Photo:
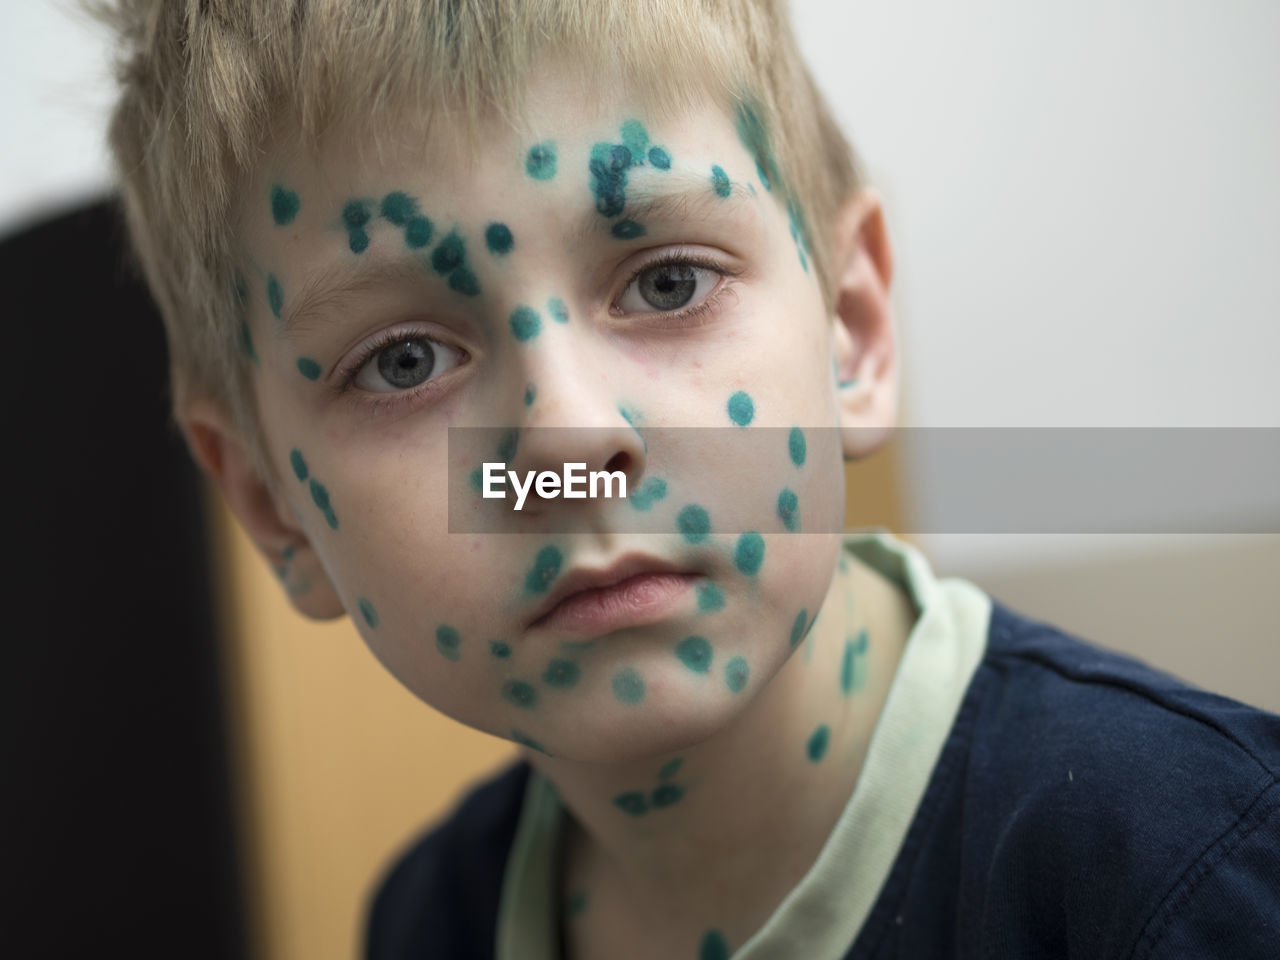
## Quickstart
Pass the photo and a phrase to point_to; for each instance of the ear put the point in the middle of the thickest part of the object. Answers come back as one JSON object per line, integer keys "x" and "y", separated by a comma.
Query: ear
{"x": 864, "y": 340}
{"x": 266, "y": 517}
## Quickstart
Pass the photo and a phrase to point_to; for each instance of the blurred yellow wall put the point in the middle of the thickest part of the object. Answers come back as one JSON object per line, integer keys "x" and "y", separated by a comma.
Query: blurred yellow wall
{"x": 337, "y": 765}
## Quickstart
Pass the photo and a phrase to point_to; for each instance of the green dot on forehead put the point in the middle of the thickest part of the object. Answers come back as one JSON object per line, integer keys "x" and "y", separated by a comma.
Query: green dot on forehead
{"x": 284, "y": 205}
{"x": 561, "y": 673}
{"x": 498, "y": 238}
{"x": 736, "y": 674}
{"x": 540, "y": 162}
{"x": 355, "y": 214}
{"x": 525, "y": 323}
{"x": 448, "y": 642}
{"x": 796, "y": 446}
{"x": 695, "y": 653}
{"x": 741, "y": 409}
{"x": 520, "y": 694}
{"x": 449, "y": 254}
{"x": 368, "y": 612}
{"x": 636, "y": 137}
{"x": 748, "y": 555}
{"x": 417, "y": 232}
{"x": 660, "y": 158}
{"x": 694, "y": 523}
{"x": 399, "y": 208}
{"x": 546, "y": 567}
{"x": 628, "y": 686}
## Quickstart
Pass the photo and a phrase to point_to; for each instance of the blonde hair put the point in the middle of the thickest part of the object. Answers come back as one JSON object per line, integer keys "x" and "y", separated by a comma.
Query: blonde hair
{"x": 206, "y": 83}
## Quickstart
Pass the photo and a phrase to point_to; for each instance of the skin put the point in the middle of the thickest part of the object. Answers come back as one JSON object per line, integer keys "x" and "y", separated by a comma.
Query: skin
{"x": 752, "y": 809}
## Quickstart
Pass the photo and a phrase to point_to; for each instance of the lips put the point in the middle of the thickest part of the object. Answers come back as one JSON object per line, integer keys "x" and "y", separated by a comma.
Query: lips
{"x": 633, "y": 588}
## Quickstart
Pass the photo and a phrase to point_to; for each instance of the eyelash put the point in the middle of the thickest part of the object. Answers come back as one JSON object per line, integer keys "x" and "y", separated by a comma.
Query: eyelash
{"x": 388, "y": 338}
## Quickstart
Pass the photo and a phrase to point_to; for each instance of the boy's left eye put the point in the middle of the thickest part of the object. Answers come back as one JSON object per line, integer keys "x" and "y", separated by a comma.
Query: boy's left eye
{"x": 404, "y": 362}
{"x": 667, "y": 286}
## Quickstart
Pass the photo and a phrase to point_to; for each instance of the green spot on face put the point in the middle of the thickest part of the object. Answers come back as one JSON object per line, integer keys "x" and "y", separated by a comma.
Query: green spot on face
{"x": 520, "y": 694}
{"x": 720, "y": 181}
{"x": 797, "y": 627}
{"x": 741, "y": 410}
{"x": 530, "y": 392}
{"x": 749, "y": 553}
{"x": 627, "y": 230}
{"x": 695, "y": 653}
{"x": 284, "y": 205}
{"x": 816, "y": 748}
{"x": 636, "y": 137}
{"x": 448, "y": 642}
{"x": 358, "y": 240}
{"x": 477, "y": 480}
{"x": 527, "y": 741}
{"x": 650, "y": 492}
{"x": 417, "y": 232}
{"x": 666, "y": 795}
{"x": 275, "y": 296}
{"x": 754, "y": 136}
{"x": 846, "y": 669}
{"x": 540, "y": 163}
{"x": 714, "y": 946}
{"x": 561, "y": 673}
{"x": 309, "y": 368}
{"x": 693, "y": 523}
{"x": 500, "y": 649}
{"x": 525, "y": 323}
{"x": 366, "y": 610}
{"x": 796, "y": 446}
{"x": 670, "y": 768}
{"x": 507, "y": 445}
{"x": 559, "y": 312}
{"x": 660, "y": 158}
{"x": 789, "y": 509}
{"x": 246, "y": 342}
{"x": 628, "y": 686}
{"x": 464, "y": 282}
{"x": 449, "y": 254}
{"x": 736, "y": 674}
{"x": 320, "y": 496}
{"x": 710, "y": 597}
{"x": 399, "y": 208}
{"x": 632, "y": 802}
{"x": 299, "y": 465}
{"x": 498, "y": 238}
{"x": 546, "y": 567}
{"x": 608, "y": 166}
{"x": 355, "y": 214}
{"x": 331, "y": 518}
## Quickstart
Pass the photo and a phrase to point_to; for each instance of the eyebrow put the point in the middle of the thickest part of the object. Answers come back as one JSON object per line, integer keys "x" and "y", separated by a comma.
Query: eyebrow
{"x": 331, "y": 289}
{"x": 681, "y": 196}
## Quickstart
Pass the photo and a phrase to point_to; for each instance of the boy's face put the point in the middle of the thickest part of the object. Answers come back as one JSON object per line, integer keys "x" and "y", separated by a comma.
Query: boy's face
{"x": 612, "y": 272}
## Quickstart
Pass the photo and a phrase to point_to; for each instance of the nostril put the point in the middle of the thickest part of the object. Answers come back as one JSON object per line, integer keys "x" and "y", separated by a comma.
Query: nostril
{"x": 620, "y": 461}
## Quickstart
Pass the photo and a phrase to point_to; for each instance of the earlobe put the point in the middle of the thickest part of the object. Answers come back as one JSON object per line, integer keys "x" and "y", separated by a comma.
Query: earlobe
{"x": 864, "y": 341}
{"x": 221, "y": 452}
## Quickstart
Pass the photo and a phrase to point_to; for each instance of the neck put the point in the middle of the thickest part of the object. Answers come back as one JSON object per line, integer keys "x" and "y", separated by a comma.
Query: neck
{"x": 757, "y": 801}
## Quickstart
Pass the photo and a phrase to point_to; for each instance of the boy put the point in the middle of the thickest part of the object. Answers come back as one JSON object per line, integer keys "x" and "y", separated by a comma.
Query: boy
{"x": 377, "y": 231}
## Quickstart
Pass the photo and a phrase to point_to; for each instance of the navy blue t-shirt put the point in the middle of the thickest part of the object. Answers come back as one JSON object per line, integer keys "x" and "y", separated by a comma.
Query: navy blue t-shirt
{"x": 1084, "y": 805}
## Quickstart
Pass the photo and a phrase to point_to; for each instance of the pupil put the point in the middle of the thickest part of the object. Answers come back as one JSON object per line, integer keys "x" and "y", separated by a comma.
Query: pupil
{"x": 669, "y": 286}
{"x": 406, "y": 364}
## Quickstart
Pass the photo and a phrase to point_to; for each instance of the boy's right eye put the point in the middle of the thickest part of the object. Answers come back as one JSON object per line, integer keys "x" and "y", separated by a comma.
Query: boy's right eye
{"x": 403, "y": 361}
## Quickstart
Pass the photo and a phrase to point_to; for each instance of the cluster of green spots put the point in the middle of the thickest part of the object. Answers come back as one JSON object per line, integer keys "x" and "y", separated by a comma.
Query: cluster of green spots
{"x": 741, "y": 408}
{"x": 577, "y": 904}
{"x": 695, "y": 653}
{"x": 401, "y": 210}
{"x": 530, "y": 392}
{"x": 609, "y": 164}
{"x": 720, "y": 181}
{"x": 853, "y": 667}
{"x": 797, "y": 627}
{"x": 309, "y": 368}
{"x": 694, "y": 523}
{"x": 736, "y": 674}
{"x": 525, "y": 323}
{"x": 275, "y": 296}
{"x": 796, "y": 446}
{"x": 500, "y": 649}
{"x": 648, "y": 493}
{"x": 319, "y": 495}
{"x": 636, "y": 803}
{"x": 558, "y": 309}
{"x": 561, "y": 673}
{"x": 367, "y": 611}
{"x": 520, "y": 694}
{"x": 522, "y": 738}
{"x": 540, "y": 162}
{"x": 284, "y": 205}
{"x": 748, "y": 553}
{"x": 816, "y": 747}
{"x": 628, "y": 686}
{"x": 498, "y": 238}
{"x": 355, "y": 217}
{"x": 714, "y": 946}
{"x": 449, "y": 642}
{"x": 789, "y": 509}
{"x": 710, "y": 597}
{"x": 449, "y": 259}
{"x": 546, "y": 567}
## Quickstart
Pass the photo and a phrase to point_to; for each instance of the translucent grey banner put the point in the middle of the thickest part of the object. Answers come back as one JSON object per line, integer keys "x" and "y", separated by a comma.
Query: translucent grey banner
{"x": 697, "y": 481}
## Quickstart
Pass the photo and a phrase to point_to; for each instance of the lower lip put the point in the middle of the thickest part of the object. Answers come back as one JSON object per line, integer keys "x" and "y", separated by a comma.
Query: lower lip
{"x": 644, "y": 598}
